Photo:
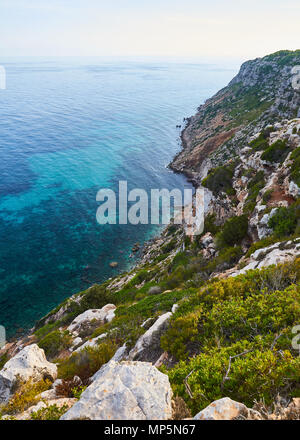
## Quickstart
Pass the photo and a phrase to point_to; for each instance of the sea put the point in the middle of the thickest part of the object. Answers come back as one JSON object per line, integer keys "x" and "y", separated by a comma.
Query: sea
{"x": 72, "y": 126}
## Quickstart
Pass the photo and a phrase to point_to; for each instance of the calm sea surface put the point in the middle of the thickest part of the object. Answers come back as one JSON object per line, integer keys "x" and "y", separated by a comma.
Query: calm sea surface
{"x": 69, "y": 127}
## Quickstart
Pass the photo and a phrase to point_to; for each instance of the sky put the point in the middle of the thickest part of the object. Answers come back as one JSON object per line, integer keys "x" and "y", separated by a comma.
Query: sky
{"x": 169, "y": 28}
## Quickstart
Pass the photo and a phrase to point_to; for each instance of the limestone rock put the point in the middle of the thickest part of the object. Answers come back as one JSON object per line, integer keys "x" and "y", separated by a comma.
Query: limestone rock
{"x": 147, "y": 347}
{"x": 91, "y": 343}
{"x": 223, "y": 409}
{"x": 154, "y": 290}
{"x": 294, "y": 189}
{"x": 275, "y": 254}
{"x": 125, "y": 391}
{"x": 100, "y": 315}
{"x": 29, "y": 363}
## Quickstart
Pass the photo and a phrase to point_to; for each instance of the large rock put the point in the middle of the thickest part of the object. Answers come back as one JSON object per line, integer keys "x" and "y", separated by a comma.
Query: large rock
{"x": 125, "y": 391}
{"x": 223, "y": 409}
{"x": 147, "y": 347}
{"x": 275, "y": 254}
{"x": 88, "y": 317}
{"x": 294, "y": 189}
{"x": 29, "y": 363}
{"x": 262, "y": 227}
{"x": 93, "y": 343}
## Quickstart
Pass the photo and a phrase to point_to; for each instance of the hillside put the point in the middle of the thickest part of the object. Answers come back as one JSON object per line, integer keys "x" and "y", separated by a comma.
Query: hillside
{"x": 260, "y": 94}
{"x": 198, "y": 320}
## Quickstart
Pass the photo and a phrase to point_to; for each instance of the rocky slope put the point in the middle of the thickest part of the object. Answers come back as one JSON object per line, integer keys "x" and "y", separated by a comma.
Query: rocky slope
{"x": 200, "y": 324}
{"x": 260, "y": 94}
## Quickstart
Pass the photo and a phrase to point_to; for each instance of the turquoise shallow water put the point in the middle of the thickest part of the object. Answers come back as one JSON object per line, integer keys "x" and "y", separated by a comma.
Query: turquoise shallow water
{"x": 68, "y": 128}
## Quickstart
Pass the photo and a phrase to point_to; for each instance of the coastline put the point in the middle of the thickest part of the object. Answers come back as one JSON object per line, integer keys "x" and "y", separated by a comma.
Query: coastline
{"x": 185, "y": 293}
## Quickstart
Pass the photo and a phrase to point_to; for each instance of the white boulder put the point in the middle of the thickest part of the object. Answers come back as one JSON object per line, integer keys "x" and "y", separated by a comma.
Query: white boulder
{"x": 223, "y": 409}
{"x": 103, "y": 315}
{"x": 125, "y": 391}
{"x": 91, "y": 343}
{"x": 294, "y": 189}
{"x": 149, "y": 343}
{"x": 29, "y": 363}
{"x": 275, "y": 254}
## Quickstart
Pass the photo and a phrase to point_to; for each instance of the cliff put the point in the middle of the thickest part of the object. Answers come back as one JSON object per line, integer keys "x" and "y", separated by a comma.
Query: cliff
{"x": 260, "y": 94}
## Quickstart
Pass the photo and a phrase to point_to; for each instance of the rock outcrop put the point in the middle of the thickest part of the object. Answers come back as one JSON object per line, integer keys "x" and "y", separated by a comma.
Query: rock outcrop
{"x": 224, "y": 122}
{"x": 275, "y": 254}
{"x": 29, "y": 363}
{"x": 147, "y": 347}
{"x": 225, "y": 409}
{"x": 106, "y": 314}
{"x": 125, "y": 391}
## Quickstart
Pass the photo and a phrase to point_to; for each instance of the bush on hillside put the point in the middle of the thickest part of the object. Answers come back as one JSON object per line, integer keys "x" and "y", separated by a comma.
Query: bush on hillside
{"x": 234, "y": 230}
{"x": 87, "y": 362}
{"x": 276, "y": 152}
{"x": 55, "y": 342}
{"x": 295, "y": 168}
{"x": 283, "y": 222}
{"x": 220, "y": 179}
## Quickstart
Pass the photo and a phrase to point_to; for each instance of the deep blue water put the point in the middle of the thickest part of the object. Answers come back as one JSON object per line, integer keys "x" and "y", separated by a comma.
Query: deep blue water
{"x": 69, "y": 127}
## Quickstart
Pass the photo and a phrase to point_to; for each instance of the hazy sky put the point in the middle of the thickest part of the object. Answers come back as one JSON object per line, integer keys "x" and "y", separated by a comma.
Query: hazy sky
{"x": 237, "y": 28}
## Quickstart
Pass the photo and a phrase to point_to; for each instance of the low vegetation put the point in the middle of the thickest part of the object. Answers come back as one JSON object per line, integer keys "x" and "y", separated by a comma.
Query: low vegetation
{"x": 25, "y": 396}
{"x": 233, "y": 338}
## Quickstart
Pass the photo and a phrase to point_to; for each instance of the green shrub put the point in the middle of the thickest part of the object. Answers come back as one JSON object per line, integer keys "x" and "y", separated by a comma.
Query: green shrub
{"x": 253, "y": 299}
{"x": 250, "y": 316}
{"x": 55, "y": 342}
{"x": 295, "y": 168}
{"x": 142, "y": 275}
{"x": 169, "y": 246}
{"x": 180, "y": 259}
{"x": 276, "y": 152}
{"x": 3, "y": 359}
{"x": 260, "y": 374}
{"x": 220, "y": 179}
{"x": 254, "y": 186}
{"x": 283, "y": 222}
{"x": 150, "y": 305}
{"x": 26, "y": 395}
{"x": 267, "y": 195}
{"x": 86, "y": 362}
{"x": 95, "y": 297}
{"x": 260, "y": 143}
{"x": 51, "y": 412}
{"x": 47, "y": 328}
{"x": 234, "y": 230}
{"x": 210, "y": 225}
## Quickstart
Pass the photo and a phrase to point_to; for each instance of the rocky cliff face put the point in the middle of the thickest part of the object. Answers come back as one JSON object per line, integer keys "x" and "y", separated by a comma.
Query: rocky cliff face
{"x": 260, "y": 94}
